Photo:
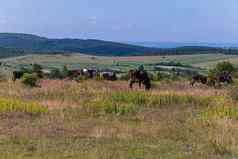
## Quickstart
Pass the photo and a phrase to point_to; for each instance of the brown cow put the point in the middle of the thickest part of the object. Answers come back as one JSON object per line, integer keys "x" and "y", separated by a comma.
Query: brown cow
{"x": 199, "y": 79}
{"x": 211, "y": 80}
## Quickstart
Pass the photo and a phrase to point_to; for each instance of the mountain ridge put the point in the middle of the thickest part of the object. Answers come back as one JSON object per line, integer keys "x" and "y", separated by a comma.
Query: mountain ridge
{"x": 20, "y": 44}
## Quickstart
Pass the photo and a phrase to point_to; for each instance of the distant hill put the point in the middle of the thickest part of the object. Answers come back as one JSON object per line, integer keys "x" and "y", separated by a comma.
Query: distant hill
{"x": 8, "y": 52}
{"x": 15, "y": 44}
{"x": 33, "y": 43}
{"x": 181, "y": 44}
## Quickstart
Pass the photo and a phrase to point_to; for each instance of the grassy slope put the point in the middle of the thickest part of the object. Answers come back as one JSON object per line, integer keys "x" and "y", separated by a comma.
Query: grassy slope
{"x": 71, "y": 130}
{"x": 124, "y": 63}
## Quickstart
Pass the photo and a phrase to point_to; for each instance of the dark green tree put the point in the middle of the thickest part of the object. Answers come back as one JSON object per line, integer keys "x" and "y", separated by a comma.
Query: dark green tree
{"x": 65, "y": 72}
{"x": 223, "y": 68}
{"x": 36, "y": 68}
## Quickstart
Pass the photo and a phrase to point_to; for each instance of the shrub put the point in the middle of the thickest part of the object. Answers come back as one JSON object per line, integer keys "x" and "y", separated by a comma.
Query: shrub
{"x": 55, "y": 74}
{"x": 223, "y": 68}
{"x": 36, "y": 68}
{"x": 29, "y": 79}
{"x": 65, "y": 72}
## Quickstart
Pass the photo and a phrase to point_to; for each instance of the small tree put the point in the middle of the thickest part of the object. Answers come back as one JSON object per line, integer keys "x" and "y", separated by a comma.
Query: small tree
{"x": 65, "y": 72}
{"x": 223, "y": 68}
{"x": 29, "y": 79}
{"x": 36, "y": 68}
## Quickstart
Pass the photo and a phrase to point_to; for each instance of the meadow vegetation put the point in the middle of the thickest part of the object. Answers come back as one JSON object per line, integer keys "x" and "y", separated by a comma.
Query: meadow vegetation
{"x": 99, "y": 119}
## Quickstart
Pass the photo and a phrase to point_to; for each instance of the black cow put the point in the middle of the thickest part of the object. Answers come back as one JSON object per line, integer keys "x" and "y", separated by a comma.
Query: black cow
{"x": 17, "y": 75}
{"x": 110, "y": 76}
{"x": 141, "y": 77}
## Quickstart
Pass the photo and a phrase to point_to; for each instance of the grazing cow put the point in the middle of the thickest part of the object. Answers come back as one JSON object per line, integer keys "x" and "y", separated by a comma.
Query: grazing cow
{"x": 199, "y": 79}
{"x": 211, "y": 80}
{"x": 141, "y": 77}
{"x": 89, "y": 73}
{"x": 17, "y": 75}
{"x": 224, "y": 78}
{"x": 110, "y": 76}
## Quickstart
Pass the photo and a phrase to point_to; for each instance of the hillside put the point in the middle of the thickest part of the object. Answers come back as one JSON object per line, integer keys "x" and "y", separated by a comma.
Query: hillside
{"x": 33, "y": 43}
{"x": 11, "y": 52}
{"x": 15, "y": 44}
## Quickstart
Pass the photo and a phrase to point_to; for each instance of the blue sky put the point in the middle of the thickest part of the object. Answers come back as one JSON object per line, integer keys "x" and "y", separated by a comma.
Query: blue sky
{"x": 124, "y": 20}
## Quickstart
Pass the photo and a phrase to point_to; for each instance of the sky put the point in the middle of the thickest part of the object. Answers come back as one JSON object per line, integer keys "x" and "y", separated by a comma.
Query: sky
{"x": 124, "y": 20}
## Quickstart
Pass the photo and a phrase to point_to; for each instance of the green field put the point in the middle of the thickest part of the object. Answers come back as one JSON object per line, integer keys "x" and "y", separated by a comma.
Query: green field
{"x": 76, "y": 61}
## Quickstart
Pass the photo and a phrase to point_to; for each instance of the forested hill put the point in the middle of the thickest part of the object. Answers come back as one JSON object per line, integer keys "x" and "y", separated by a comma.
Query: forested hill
{"x": 15, "y": 44}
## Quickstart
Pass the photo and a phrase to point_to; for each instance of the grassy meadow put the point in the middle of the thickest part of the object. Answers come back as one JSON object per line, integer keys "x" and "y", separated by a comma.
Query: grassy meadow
{"x": 106, "y": 120}
{"x": 96, "y": 119}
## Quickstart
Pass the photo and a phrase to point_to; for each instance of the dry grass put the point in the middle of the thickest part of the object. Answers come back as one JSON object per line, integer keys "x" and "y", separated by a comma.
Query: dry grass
{"x": 174, "y": 120}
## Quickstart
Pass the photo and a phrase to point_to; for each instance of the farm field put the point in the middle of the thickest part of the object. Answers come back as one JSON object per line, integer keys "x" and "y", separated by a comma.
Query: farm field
{"x": 100, "y": 119}
{"x": 121, "y": 63}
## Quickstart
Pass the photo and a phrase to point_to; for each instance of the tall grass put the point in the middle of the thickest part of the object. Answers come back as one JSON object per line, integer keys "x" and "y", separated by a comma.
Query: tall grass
{"x": 132, "y": 102}
{"x": 221, "y": 111}
{"x": 13, "y": 105}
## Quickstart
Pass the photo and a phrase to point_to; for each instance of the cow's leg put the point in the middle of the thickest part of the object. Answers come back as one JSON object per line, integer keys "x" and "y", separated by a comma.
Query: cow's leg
{"x": 192, "y": 82}
{"x": 147, "y": 85}
{"x": 131, "y": 84}
{"x": 140, "y": 82}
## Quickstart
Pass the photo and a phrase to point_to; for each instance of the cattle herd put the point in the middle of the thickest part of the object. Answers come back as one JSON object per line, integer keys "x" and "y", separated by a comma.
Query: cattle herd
{"x": 212, "y": 80}
{"x": 134, "y": 76}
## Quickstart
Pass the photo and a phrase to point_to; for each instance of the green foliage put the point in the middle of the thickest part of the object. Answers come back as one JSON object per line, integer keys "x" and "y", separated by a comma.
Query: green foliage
{"x": 223, "y": 68}
{"x": 30, "y": 79}
{"x": 174, "y": 63}
{"x": 55, "y": 74}
{"x": 65, "y": 72}
{"x": 36, "y": 68}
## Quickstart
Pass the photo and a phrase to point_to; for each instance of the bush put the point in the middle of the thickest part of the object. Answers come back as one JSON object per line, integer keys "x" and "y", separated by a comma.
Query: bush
{"x": 29, "y": 79}
{"x": 37, "y": 69}
{"x": 55, "y": 74}
{"x": 223, "y": 68}
{"x": 65, "y": 72}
